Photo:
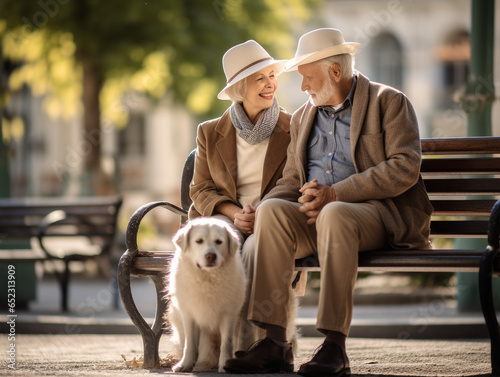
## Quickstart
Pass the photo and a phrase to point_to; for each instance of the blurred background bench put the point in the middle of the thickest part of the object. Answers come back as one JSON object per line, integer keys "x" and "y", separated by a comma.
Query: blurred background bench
{"x": 58, "y": 229}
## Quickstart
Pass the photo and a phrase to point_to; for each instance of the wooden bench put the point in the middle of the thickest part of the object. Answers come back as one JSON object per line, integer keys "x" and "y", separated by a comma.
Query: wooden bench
{"x": 462, "y": 176}
{"x": 28, "y": 225}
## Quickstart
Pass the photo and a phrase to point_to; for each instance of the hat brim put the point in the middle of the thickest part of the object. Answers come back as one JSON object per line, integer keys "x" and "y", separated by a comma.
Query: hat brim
{"x": 280, "y": 68}
{"x": 346, "y": 48}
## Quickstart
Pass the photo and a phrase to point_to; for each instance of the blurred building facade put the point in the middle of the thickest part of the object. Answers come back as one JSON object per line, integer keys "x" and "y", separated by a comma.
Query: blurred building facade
{"x": 420, "y": 47}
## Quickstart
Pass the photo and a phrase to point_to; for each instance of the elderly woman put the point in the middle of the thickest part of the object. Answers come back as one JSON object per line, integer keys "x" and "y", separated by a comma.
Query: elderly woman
{"x": 241, "y": 155}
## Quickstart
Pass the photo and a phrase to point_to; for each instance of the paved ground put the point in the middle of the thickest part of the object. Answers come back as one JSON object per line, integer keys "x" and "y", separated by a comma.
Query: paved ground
{"x": 428, "y": 339}
{"x": 100, "y": 355}
{"x": 92, "y": 312}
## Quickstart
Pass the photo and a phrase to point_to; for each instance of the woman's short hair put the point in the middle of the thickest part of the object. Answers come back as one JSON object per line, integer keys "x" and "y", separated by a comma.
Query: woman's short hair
{"x": 345, "y": 61}
{"x": 237, "y": 91}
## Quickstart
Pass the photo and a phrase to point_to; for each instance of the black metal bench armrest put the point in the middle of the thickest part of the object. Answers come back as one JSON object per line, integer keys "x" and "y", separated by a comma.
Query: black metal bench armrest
{"x": 50, "y": 219}
{"x": 136, "y": 218}
{"x": 150, "y": 335}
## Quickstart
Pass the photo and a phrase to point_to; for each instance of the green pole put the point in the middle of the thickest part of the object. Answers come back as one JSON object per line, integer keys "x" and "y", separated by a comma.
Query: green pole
{"x": 480, "y": 92}
{"x": 4, "y": 166}
{"x": 477, "y": 102}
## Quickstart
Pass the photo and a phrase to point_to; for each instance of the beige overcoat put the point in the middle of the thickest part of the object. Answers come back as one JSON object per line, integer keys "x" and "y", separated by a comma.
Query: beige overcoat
{"x": 385, "y": 145}
{"x": 215, "y": 172}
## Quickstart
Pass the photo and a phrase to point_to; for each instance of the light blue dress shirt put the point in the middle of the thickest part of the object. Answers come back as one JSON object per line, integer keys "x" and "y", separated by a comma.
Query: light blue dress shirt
{"x": 329, "y": 147}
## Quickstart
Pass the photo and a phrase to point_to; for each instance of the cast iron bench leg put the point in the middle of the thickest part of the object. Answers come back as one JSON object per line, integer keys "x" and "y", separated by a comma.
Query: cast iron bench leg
{"x": 486, "y": 290}
{"x": 150, "y": 335}
{"x": 488, "y": 307}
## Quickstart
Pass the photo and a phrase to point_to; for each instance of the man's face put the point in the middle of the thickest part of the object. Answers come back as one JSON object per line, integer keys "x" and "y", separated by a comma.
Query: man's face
{"x": 316, "y": 83}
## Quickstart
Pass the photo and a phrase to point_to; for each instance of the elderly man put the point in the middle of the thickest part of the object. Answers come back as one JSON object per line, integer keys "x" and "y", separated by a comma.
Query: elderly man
{"x": 351, "y": 183}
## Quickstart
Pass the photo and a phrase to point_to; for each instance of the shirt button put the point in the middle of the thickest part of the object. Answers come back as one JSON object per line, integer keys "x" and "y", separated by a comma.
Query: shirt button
{"x": 332, "y": 115}
{"x": 328, "y": 172}
{"x": 329, "y": 154}
{"x": 330, "y": 133}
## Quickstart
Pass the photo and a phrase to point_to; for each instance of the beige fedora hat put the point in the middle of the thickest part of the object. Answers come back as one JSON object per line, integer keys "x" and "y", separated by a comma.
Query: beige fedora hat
{"x": 244, "y": 60}
{"x": 319, "y": 44}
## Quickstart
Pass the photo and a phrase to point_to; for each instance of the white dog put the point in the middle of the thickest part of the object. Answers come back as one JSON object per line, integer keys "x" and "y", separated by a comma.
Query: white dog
{"x": 207, "y": 285}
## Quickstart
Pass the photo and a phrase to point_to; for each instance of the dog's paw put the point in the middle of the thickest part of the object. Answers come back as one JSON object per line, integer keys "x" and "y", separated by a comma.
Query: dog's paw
{"x": 181, "y": 368}
{"x": 205, "y": 365}
{"x": 221, "y": 369}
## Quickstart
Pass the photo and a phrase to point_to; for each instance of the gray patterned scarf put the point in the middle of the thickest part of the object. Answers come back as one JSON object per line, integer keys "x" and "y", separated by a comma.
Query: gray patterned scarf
{"x": 254, "y": 134}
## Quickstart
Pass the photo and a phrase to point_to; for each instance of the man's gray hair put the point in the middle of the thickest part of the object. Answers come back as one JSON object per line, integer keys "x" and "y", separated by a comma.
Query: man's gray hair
{"x": 345, "y": 61}
{"x": 237, "y": 91}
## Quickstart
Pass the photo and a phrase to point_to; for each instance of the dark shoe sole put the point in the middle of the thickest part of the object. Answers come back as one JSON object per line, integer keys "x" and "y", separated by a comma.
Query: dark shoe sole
{"x": 284, "y": 369}
{"x": 344, "y": 372}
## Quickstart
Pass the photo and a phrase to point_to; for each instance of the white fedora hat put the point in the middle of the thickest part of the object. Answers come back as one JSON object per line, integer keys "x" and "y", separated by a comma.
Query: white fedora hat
{"x": 244, "y": 60}
{"x": 319, "y": 44}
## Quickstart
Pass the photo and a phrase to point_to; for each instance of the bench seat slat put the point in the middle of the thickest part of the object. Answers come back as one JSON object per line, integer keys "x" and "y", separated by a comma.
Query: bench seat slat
{"x": 22, "y": 255}
{"x": 438, "y": 260}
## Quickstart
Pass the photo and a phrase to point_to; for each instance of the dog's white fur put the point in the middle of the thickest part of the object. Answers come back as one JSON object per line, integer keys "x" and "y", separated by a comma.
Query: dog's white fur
{"x": 207, "y": 284}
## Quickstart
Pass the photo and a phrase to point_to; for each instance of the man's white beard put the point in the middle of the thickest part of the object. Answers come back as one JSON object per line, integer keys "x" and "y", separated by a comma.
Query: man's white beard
{"x": 322, "y": 96}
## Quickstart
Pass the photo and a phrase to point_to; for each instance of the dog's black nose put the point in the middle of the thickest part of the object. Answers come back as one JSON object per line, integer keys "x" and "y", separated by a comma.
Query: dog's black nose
{"x": 210, "y": 258}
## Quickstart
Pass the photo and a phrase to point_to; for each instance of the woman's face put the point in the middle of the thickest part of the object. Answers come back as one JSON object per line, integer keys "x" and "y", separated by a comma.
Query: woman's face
{"x": 259, "y": 95}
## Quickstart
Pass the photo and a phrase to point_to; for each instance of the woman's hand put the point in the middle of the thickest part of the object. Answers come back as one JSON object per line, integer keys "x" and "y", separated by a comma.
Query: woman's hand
{"x": 245, "y": 219}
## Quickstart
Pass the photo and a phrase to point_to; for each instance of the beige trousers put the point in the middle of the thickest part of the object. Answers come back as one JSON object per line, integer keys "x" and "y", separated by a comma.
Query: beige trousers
{"x": 283, "y": 235}
{"x": 246, "y": 331}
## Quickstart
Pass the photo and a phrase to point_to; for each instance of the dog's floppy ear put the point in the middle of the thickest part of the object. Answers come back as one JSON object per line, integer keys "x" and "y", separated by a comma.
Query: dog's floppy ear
{"x": 181, "y": 238}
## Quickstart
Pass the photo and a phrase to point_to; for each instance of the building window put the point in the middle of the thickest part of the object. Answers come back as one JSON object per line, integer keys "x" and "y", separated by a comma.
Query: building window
{"x": 131, "y": 139}
{"x": 387, "y": 60}
{"x": 453, "y": 56}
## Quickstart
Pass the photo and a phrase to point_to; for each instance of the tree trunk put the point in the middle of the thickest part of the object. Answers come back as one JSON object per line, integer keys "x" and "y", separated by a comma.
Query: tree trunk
{"x": 91, "y": 114}
{"x": 93, "y": 181}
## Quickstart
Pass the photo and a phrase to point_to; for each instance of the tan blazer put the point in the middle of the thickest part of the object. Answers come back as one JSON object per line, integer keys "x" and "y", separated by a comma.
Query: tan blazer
{"x": 215, "y": 172}
{"x": 385, "y": 145}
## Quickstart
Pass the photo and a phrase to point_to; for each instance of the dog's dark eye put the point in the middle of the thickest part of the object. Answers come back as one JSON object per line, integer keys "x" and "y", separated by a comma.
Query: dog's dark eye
{"x": 218, "y": 242}
{"x": 199, "y": 241}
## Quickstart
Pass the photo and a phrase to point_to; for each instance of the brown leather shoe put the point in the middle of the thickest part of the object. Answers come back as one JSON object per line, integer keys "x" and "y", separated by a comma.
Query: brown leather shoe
{"x": 264, "y": 357}
{"x": 327, "y": 361}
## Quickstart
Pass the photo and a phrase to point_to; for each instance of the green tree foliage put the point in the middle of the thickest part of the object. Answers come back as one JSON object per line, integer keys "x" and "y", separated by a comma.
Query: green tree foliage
{"x": 84, "y": 55}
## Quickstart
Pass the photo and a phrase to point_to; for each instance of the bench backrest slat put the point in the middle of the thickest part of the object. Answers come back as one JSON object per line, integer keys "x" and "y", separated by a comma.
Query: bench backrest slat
{"x": 457, "y": 229}
{"x": 463, "y": 186}
{"x": 11, "y": 233}
{"x": 460, "y": 207}
{"x": 460, "y": 166}
{"x": 462, "y": 177}
{"x": 104, "y": 210}
{"x": 461, "y": 145}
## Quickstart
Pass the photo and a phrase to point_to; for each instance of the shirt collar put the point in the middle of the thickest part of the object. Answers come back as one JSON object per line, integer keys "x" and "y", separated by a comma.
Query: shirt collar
{"x": 347, "y": 102}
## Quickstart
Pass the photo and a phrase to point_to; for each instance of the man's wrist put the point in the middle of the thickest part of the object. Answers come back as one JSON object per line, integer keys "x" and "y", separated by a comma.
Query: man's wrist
{"x": 333, "y": 194}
